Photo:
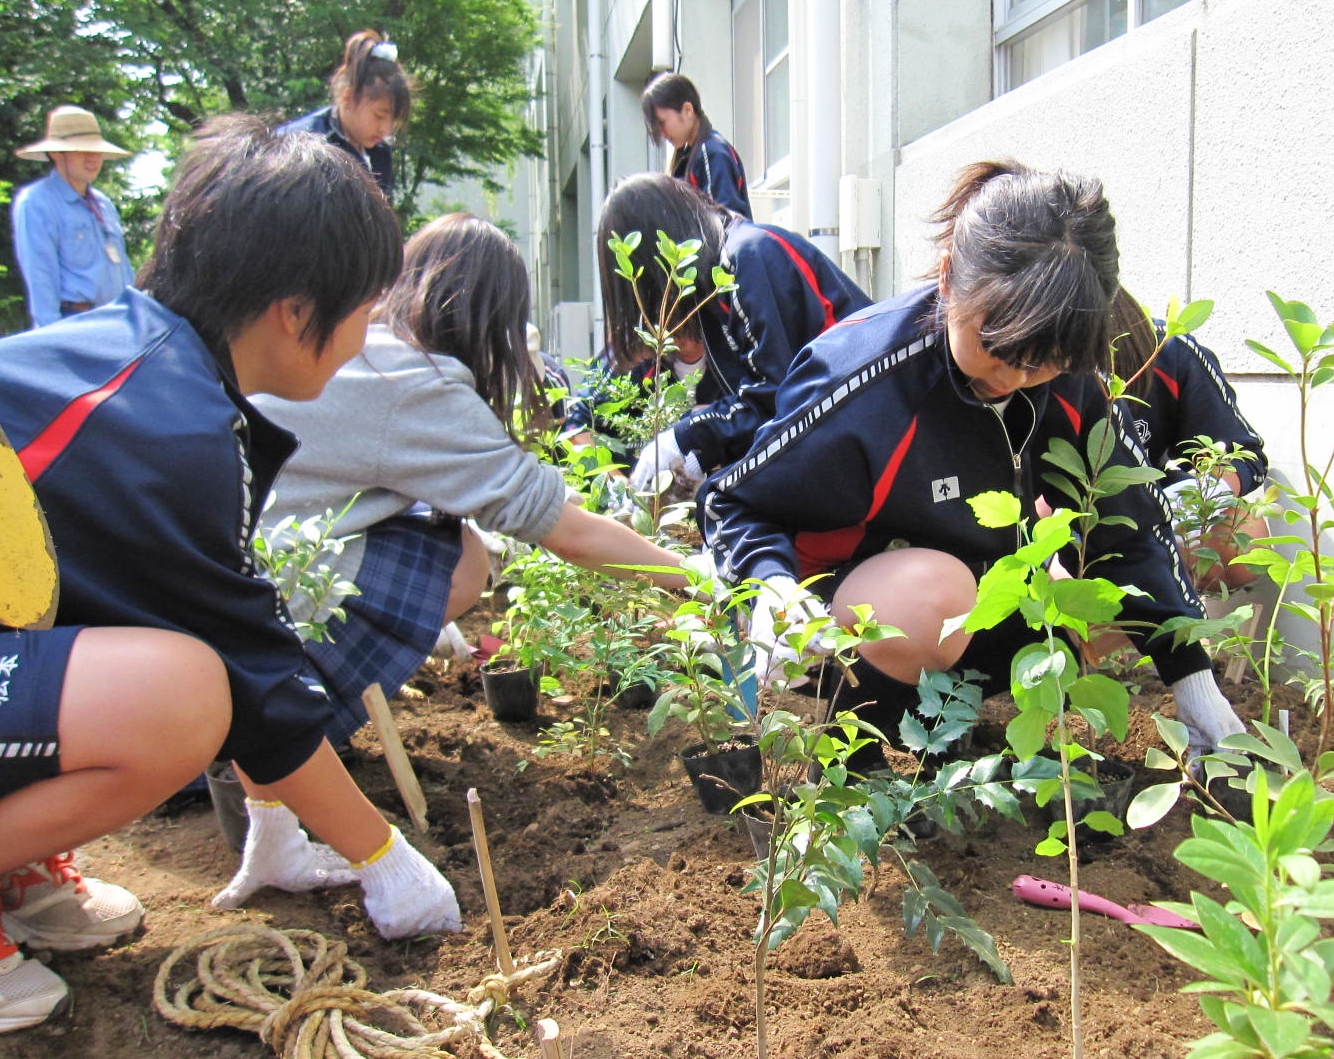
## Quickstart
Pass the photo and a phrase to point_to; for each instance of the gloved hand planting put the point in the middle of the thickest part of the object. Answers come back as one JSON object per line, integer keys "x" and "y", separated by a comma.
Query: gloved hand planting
{"x": 1205, "y": 712}
{"x": 664, "y": 454}
{"x": 278, "y": 853}
{"x": 782, "y": 602}
{"x": 405, "y": 894}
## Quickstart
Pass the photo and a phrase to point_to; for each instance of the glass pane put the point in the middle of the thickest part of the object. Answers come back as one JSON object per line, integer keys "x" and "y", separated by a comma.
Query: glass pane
{"x": 775, "y": 29}
{"x": 777, "y": 131}
{"x": 1154, "y": 8}
{"x": 747, "y": 87}
{"x": 1062, "y": 38}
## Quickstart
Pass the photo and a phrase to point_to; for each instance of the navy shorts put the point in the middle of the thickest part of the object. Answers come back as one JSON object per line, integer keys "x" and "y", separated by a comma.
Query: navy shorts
{"x": 32, "y": 676}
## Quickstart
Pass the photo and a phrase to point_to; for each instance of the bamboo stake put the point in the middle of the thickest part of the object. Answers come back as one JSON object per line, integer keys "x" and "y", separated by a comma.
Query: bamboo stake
{"x": 553, "y": 1045}
{"x": 405, "y": 779}
{"x": 489, "y": 882}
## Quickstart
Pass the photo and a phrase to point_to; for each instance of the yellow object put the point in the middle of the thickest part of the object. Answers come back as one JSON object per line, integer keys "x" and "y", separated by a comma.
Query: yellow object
{"x": 29, "y": 587}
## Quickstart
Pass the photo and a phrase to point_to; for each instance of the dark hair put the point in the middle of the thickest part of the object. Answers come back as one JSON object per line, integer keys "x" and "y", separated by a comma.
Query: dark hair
{"x": 253, "y": 217}
{"x": 464, "y": 292}
{"x": 1034, "y": 255}
{"x": 1134, "y": 340}
{"x": 649, "y": 203}
{"x": 369, "y": 76}
{"x": 671, "y": 91}
{"x": 674, "y": 91}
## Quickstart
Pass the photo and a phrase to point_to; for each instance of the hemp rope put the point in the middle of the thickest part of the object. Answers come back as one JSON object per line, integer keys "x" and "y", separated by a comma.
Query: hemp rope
{"x": 307, "y": 1000}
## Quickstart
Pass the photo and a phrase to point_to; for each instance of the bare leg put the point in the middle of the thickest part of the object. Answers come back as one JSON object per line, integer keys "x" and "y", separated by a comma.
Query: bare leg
{"x": 329, "y": 803}
{"x": 470, "y": 576}
{"x": 915, "y": 590}
{"x": 142, "y": 712}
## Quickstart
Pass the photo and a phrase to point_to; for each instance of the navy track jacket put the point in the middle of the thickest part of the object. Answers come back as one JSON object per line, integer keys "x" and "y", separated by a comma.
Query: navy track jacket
{"x": 379, "y": 159}
{"x": 152, "y": 470}
{"x": 877, "y": 443}
{"x": 787, "y": 293}
{"x": 1190, "y": 396}
{"x": 713, "y": 167}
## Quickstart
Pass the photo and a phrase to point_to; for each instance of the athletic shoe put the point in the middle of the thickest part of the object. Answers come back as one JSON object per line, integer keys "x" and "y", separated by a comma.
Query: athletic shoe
{"x": 30, "y": 992}
{"x": 49, "y": 905}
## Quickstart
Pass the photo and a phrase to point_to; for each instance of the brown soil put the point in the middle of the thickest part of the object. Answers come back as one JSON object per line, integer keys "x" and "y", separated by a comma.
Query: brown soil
{"x": 622, "y": 871}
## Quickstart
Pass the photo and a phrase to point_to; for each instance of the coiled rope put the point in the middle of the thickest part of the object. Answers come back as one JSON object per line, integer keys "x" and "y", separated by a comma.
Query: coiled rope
{"x": 307, "y": 1000}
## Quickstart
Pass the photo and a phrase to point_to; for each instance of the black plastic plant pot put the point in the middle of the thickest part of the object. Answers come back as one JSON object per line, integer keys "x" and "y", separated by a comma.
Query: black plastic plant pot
{"x": 723, "y": 779}
{"x": 1116, "y": 778}
{"x": 228, "y": 797}
{"x": 510, "y": 692}
{"x": 637, "y": 696}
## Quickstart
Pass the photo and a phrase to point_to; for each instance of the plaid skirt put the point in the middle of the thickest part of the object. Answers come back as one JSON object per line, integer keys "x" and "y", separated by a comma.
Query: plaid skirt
{"x": 390, "y": 628}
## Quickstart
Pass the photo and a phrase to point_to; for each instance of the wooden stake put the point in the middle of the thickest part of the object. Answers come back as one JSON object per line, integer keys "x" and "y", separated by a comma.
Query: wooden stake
{"x": 553, "y": 1045}
{"x": 399, "y": 765}
{"x": 489, "y": 882}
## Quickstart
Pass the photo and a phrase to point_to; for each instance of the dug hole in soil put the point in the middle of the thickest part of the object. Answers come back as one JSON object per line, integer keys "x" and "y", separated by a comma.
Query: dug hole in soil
{"x": 624, "y": 872}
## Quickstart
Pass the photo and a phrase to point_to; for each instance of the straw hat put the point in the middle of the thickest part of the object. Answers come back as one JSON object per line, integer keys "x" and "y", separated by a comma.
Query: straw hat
{"x": 71, "y": 129}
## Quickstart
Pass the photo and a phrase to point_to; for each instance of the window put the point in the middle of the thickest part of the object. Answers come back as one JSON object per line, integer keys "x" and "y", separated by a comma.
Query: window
{"x": 760, "y": 89}
{"x": 1034, "y": 36}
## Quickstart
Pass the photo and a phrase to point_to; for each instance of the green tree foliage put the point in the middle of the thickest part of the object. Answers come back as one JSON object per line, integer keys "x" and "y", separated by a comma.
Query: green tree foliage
{"x": 153, "y": 69}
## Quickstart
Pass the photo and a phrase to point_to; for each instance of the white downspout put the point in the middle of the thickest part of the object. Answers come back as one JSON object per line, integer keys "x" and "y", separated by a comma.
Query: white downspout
{"x": 664, "y": 35}
{"x": 597, "y": 153}
{"x": 823, "y": 118}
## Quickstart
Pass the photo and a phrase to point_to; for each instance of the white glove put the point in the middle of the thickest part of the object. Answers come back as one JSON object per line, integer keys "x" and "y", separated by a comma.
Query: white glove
{"x": 405, "y": 894}
{"x": 278, "y": 853}
{"x": 1205, "y": 712}
{"x": 664, "y": 454}
{"x": 782, "y": 599}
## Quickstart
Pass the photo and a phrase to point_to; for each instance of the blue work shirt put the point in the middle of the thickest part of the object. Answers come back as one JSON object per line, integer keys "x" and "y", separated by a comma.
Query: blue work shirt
{"x": 66, "y": 251}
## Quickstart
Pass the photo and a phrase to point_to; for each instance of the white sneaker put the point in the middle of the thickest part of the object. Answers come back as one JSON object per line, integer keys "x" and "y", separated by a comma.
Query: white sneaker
{"x": 30, "y": 992}
{"x": 49, "y": 905}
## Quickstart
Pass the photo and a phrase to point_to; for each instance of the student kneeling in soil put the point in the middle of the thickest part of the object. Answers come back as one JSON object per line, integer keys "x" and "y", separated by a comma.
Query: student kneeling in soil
{"x": 152, "y": 466}
{"x": 896, "y": 418}
{"x": 421, "y": 425}
{"x": 69, "y": 697}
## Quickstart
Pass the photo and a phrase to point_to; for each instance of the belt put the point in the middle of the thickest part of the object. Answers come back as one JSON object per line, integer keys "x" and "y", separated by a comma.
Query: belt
{"x": 70, "y": 308}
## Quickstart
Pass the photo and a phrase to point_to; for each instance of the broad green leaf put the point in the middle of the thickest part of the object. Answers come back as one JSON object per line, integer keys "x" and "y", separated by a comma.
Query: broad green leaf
{"x": 995, "y": 509}
{"x": 1282, "y": 1032}
{"x": 1152, "y": 804}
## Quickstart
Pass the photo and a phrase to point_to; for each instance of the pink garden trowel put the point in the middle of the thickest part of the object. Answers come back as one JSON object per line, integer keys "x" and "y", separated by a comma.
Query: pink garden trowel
{"x": 1054, "y": 895}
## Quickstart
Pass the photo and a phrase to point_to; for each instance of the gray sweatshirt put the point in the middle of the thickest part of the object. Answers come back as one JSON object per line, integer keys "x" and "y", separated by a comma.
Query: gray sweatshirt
{"x": 400, "y": 427}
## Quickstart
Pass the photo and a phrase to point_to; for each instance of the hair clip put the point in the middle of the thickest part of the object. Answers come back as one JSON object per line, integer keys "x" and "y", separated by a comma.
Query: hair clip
{"x": 386, "y": 50}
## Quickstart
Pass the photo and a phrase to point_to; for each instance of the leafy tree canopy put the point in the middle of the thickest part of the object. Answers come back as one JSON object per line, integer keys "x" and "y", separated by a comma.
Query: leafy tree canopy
{"x": 153, "y": 69}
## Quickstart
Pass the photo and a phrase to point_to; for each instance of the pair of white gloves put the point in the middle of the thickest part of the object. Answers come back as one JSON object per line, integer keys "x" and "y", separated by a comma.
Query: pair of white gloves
{"x": 405, "y": 894}
{"x": 664, "y": 453}
{"x": 781, "y": 600}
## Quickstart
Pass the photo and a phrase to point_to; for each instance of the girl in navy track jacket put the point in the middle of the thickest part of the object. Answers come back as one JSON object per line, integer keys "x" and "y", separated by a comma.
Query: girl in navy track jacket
{"x": 887, "y": 423}
{"x": 787, "y": 293}
{"x": 1186, "y": 395}
{"x": 702, "y": 158}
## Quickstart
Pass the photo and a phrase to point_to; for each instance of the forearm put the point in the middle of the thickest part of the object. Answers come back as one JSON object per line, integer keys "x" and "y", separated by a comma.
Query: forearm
{"x": 603, "y": 544}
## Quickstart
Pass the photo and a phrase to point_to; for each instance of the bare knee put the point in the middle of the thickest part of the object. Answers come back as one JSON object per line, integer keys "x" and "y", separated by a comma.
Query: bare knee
{"x": 143, "y": 699}
{"x": 915, "y": 590}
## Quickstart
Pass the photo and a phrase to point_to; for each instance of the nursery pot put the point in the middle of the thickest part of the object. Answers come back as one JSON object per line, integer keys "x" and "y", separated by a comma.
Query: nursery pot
{"x": 1116, "y": 778}
{"x": 511, "y": 693}
{"x": 228, "y": 796}
{"x": 724, "y": 778}
{"x": 639, "y": 695}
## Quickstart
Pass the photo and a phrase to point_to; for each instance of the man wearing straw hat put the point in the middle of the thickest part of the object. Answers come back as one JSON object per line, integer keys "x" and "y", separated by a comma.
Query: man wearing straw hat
{"x": 67, "y": 234}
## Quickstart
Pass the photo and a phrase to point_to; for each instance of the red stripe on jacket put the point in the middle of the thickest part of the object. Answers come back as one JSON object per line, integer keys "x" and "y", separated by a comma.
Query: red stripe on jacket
{"x": 1173, "y": 387}
{"x": 821, "y": 551}
{"x": 808, "y": 274}
{"x": 41, "y": 451}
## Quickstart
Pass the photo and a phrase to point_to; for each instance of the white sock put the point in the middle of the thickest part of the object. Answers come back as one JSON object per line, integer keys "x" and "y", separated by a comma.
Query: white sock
{"x": 405, "y": 894}
{"x": 1205, "y": 711}
{"x": 279, "y": 854}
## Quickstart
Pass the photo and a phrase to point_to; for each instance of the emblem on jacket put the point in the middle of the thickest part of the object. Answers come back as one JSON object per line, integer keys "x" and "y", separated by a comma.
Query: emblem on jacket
{"x": 945, "y": 488}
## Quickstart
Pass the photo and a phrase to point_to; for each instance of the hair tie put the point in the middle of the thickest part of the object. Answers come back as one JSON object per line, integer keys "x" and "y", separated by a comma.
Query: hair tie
{"x": 386, "y": 50}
